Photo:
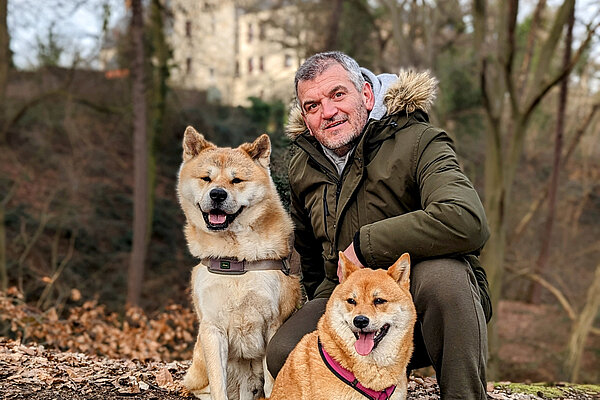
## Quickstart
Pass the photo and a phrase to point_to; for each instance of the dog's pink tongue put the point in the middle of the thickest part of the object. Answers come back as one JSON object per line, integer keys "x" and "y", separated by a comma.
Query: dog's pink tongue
{"x": 365, "y": 343}
{"x": 217, "y": 218}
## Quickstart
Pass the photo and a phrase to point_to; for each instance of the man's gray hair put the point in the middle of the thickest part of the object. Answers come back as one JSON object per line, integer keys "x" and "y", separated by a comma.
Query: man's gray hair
{"x": 318, "y": 63}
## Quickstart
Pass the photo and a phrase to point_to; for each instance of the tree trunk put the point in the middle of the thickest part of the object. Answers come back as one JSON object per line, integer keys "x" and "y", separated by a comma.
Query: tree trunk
{"x": 4, "y": 63}
{"x": 582, "y": 327}
{"x": 160, "y": 75}
{"x": 535, "y": 290}
{"x": 334, "y": 25}
{"x": 509, "y": 113}
{"x": 140, "y": 159}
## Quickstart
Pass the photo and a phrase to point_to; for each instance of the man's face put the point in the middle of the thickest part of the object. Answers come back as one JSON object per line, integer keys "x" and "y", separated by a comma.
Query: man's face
{"x": 334, "y": 111}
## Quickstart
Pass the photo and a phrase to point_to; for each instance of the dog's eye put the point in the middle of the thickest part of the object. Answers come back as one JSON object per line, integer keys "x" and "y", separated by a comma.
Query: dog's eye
{"x": 351, "y": 301}
{"x": 236, "y": 180}
{"x": 379, "y": 301}
{"x": 205, "y": 179}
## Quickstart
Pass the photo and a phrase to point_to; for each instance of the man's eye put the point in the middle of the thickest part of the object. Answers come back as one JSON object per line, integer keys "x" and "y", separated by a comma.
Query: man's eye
{"x": 311, "y": 107}
{"x": 338, "y": 94}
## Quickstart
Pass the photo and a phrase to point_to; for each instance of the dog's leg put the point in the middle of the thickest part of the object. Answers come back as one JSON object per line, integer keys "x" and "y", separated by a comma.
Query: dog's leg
{"x": 196, "y": 378}
{"x": 215, "y": 351}
{"x": 269, "y": 381}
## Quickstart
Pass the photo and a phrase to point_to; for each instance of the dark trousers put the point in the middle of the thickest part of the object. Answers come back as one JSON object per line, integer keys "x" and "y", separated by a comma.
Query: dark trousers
{"x": 450, "y": 332}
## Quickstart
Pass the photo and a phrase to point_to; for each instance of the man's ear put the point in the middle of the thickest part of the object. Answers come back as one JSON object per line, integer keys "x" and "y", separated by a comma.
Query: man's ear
{"x": 369, "y": 96}
{"x": 306, "y": 124}
{"x": 194, "y": 143}
{"x": 347, "y": 266}
{"x": 400, "y": 271}
{"x": 259, "y": 150}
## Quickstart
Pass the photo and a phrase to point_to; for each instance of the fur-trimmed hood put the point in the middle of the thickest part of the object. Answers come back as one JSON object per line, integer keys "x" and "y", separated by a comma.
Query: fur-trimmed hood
{"x": 408, "y": 92}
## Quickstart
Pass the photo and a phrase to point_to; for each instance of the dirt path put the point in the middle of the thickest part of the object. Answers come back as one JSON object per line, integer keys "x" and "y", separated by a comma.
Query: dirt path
{"x": 32, "y": 372}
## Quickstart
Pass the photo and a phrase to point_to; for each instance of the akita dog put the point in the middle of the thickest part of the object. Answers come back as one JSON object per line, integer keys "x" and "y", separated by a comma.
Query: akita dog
{"x": 362, "y": 344}
{"x": 242, "y": 289}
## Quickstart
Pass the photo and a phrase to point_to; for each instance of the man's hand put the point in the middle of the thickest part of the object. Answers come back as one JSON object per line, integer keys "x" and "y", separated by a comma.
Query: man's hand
{"x": 351, "y": 254}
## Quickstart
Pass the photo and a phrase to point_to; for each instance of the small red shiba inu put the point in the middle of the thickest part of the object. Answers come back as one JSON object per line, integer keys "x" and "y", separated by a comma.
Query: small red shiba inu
{"x": 362, "y": 344}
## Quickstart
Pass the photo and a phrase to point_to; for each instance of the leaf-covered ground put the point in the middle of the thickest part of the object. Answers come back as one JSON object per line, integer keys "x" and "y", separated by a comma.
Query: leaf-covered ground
{"x": 33, "y": 372}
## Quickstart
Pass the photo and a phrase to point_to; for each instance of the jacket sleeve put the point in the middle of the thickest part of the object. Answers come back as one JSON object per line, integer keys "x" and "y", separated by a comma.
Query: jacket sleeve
{"x": 451, "y": 220}
{"x": 309, "y": 248}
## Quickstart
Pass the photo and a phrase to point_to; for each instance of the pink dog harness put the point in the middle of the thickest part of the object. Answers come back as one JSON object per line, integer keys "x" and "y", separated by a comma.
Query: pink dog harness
{"x": 349, "y": 379}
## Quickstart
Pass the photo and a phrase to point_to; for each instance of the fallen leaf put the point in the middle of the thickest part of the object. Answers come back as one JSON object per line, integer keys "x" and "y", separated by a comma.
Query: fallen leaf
{"x": 163, "y": 378}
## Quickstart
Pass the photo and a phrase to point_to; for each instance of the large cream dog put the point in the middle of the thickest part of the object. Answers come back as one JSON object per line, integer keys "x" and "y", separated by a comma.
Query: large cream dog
{"x": 362, "y": 344}
{"x": 242, "y": 289}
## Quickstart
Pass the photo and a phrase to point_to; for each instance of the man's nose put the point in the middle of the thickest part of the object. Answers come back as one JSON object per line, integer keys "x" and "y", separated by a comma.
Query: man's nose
{"x": 328, "y": 108}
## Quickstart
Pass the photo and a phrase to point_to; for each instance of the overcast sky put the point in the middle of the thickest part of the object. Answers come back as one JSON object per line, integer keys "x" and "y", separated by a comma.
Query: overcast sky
{"x": 78, "y": 25}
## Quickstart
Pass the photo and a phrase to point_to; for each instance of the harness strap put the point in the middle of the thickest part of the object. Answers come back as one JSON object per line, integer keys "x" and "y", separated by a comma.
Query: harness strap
{"x": 349, "y": 379}
{"x": 228, "y": 266}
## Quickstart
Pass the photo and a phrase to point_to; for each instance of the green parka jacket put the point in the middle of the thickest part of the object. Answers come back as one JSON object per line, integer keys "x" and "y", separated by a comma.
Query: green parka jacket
{"x": 402, "y": 190}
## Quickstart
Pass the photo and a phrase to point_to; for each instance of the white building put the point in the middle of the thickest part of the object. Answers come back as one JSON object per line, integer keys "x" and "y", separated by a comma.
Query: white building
{"x": 232, "y": 51}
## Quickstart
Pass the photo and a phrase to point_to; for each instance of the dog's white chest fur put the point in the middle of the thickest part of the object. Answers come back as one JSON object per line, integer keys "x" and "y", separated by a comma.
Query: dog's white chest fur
{"x": 241, "y": 305}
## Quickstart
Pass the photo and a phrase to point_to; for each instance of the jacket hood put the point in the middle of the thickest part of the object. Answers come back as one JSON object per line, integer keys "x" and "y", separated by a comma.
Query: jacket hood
{"x": 410, "y": 92}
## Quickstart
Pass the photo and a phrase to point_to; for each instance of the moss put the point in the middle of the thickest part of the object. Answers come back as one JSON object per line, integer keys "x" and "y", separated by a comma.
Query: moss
{"x": 546, "y": 390}
{"x": 591, "y": 389}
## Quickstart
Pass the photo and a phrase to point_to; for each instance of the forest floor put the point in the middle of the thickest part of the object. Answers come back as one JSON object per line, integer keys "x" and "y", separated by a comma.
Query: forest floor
{"x": 33, "y": 372}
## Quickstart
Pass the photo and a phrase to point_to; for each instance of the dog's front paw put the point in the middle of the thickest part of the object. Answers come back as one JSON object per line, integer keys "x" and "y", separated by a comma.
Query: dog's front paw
{"x": 203, "y": 393}
{"x": 197, "y": 384}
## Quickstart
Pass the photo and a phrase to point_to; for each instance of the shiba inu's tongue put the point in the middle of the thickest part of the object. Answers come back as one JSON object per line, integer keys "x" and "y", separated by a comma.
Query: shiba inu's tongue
{"x": 217, "y": 218}
{"x": 365, "y": 343}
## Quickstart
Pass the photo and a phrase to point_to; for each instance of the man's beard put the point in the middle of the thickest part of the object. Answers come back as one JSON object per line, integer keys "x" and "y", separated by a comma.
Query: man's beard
{"x": 342, "y": 145}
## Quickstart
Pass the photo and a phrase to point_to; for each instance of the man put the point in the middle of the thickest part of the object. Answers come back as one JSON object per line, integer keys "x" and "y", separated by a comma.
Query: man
{"x": 371, "y": 177}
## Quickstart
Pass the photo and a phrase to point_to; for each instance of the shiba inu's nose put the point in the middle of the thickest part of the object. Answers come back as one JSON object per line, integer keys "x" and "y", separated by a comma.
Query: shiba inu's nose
{"x": 360, "y": 321}
{"x": 218, "y": 194}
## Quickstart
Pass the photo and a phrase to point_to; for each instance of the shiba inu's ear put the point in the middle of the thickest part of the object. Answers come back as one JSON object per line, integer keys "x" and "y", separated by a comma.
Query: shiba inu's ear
{"x": 193, "y": 143}
{"x": 259, "y": 150}
{"x": 400, "y": 271}
{"x": 347, "y": 267}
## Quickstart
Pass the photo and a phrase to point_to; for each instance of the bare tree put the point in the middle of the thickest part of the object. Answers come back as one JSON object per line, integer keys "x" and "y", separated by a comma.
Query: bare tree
{"x": 331, "y": 43}
{"x": 140, "y": 158}
{"x": 4, "y": 60}
{"x": 535, "y": 290}
{"x": 3, "y": 268}
{"x": 582, "y": 327}
{"x": 509, "y": 111}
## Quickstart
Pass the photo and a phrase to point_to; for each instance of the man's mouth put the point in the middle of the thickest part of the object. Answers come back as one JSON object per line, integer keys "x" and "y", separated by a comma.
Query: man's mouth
{"x": 366, "y": 342}
{"x": 335, "y": 124}
{"x": 217, "y": 220}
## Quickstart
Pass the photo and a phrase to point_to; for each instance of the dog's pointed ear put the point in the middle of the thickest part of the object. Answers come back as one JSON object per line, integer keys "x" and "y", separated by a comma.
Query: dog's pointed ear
{"x": 259, "y": 150}
{"x": 400, "y": 271}
{"x": 347, "y": 267}
{"x": 193, "y": 143}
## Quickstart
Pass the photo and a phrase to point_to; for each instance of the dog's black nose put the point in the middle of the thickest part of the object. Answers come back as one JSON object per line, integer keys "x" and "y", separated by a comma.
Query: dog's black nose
{"x": 218, "y": 194}
{"x": 360, "y": 321}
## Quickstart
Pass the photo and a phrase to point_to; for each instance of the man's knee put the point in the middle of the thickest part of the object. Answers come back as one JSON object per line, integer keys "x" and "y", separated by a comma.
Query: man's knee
{"x": 289, "y": 334}
{"x": 276, "y": 356}
{"x": 441, "y": 283}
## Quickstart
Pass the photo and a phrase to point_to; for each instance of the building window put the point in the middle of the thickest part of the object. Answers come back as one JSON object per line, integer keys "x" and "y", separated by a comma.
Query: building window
{"x": 188, "y": 29}
{"x": 213, "y": 24}
{"x": 188, "y": 65}
{"x": 261, "y": 64}
{"x": 250, "y": 32}
{"x": 237, "y": 68}
{"x": 211, "y": 72}
{"x": 250, "y": 65}
{"x": 287, "y": 62}
{"x": 261, "y": 31}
